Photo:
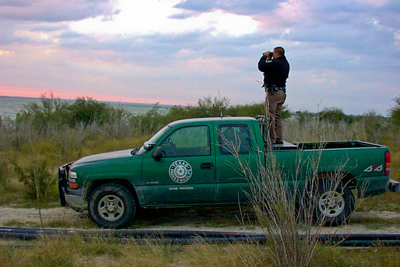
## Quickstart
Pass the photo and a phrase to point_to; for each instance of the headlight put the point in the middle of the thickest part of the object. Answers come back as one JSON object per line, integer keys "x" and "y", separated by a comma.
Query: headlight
{"x": 72, "y": 176}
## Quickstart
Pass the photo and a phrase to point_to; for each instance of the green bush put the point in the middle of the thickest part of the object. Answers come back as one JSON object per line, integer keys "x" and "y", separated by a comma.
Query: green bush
{"x": 50, "y": 110}
{"x": 395, "y": 111}
{"x": 37, "y": 179}
{"x": 254, "y": 109}
{"x": 333, "y": 114}
{"x": 87, "y": 110}
{"x": 153, "y": 120}
{"x": 53, "y": 111}
{"x": 375, "y": 126}
{"x": 304, "y": 116}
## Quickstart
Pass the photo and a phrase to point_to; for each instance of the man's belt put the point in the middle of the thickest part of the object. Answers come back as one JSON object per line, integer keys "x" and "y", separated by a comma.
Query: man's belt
{"x": 274, "y": 89}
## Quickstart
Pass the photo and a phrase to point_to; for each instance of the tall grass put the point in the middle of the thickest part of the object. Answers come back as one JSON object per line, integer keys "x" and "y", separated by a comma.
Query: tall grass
{"x": 64, "y": 252}
{"x": 287, "y": 205}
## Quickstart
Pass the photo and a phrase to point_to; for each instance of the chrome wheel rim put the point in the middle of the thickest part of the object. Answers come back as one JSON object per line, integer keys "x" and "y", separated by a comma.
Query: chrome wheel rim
{"x": 111, "y": 208}
{"x": 331, "y": 204}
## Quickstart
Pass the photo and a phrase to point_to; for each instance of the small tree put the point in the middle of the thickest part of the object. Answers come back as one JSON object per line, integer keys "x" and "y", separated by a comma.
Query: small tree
{"x": 304, "y": 116}
{"x": 87, "y": 110}
{"x": 395, "y": 112}
{"x": 36, "y": 178}
{"x": 334, "y": 114}
{"x": 50, "y": 110}
{"x": 213, "y": 107}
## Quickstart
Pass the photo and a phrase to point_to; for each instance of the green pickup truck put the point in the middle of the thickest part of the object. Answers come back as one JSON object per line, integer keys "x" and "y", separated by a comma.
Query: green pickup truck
{"x": 190, "y": 162}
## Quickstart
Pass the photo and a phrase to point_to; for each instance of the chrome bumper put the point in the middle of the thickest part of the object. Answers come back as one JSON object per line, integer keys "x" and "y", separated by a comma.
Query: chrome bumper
{"x": 73, "y": 198}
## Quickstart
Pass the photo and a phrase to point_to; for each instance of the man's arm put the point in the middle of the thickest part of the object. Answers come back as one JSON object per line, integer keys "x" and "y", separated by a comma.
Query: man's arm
{"x": 265, "y": 63}
{"x": 262, "y": 63}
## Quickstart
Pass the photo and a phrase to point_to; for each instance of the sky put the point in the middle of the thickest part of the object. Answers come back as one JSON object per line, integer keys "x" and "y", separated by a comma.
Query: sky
{"x": 342, "y": 53}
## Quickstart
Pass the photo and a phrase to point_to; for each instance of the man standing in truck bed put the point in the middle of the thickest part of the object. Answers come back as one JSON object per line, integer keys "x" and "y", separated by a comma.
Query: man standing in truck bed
{"x": 276, "y": 71}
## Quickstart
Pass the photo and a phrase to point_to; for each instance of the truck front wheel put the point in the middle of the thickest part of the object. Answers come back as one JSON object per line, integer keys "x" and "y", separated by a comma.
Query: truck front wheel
{"x": 111, "y": 206}
{"x": 334, "y": 203}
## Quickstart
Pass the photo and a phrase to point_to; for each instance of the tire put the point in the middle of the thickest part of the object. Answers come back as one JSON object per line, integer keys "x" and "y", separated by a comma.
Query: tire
{"x": 111, "y": 206}
{"x": 333, "y": 204}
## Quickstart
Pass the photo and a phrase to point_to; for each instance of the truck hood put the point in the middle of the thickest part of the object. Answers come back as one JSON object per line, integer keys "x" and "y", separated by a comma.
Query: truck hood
{"x": 109, "y": 157}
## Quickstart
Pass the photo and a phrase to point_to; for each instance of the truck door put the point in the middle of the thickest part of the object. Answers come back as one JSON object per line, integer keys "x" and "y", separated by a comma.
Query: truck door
{"x": 186, "y": 172}
{"x": 236, "y": 149}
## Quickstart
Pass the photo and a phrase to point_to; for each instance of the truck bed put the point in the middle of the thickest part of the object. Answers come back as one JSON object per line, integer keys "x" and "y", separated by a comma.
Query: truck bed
{"x": 335, "y": 145}
{"x": 324, "y": 145}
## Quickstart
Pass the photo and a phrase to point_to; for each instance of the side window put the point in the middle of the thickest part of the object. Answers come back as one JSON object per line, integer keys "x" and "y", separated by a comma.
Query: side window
{"x": 188, "y": 141}
{"x": 234, "y": 139}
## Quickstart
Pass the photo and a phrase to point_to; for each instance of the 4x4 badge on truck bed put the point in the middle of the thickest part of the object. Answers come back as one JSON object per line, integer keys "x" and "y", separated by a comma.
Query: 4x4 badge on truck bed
{"x": 180, "y": 171}
{"x": 374, "y": 168}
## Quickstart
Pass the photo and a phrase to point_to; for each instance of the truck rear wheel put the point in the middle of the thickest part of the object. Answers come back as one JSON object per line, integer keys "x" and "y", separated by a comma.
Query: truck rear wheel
{"x": 111, "y": 206}
{"x": 334, "y": 203}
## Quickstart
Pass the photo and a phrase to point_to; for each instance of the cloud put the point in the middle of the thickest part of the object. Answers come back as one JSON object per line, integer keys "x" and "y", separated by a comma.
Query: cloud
{"x": 55, "y": 10}
{"x": 241, "y": 7}
{"x": 200, "y": 6}
{"x": 183, "y": 50}
{"x": 151, "y": 16}
{"x": 49, "y": 27}
{"x": 14, "y": 3}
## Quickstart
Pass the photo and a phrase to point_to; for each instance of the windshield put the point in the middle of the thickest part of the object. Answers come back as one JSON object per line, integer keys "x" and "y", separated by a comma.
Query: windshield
{"x": 154, "y": 139}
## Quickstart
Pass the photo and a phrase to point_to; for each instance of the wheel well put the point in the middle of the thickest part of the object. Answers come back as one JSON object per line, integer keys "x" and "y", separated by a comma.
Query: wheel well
{"x": 94, "y": 184}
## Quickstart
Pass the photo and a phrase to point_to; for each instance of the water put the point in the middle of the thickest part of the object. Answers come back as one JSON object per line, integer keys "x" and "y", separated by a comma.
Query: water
{"x": 10, "y": 106}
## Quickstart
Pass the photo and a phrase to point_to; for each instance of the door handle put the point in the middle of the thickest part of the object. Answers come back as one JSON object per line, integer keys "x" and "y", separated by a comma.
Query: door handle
{"x": 207, "y": 165}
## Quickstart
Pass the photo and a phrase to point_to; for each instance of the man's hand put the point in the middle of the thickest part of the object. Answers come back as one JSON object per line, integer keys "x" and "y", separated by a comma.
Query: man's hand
{"x": 268, "y": 54}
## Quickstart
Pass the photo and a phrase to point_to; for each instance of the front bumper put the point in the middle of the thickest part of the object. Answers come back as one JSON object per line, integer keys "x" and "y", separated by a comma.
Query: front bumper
{"x": 73, "y": 198}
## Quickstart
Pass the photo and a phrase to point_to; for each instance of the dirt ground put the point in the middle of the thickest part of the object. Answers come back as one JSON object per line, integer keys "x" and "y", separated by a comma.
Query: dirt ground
{"x": 222, "y": 219}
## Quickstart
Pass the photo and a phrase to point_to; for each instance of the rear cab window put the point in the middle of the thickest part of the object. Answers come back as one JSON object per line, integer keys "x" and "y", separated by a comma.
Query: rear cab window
{"x": 234, "y": 139}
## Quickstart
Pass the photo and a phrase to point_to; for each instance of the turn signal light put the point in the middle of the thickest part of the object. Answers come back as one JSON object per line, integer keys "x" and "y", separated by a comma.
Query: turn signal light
{"x": 73, "y": 186}
{"x": 388, "y": 163}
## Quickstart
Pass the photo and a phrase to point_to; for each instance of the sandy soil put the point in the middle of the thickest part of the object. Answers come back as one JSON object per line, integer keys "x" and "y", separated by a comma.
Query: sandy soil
{"x": 179, "y": 219}
{"x": 26, "y": 216}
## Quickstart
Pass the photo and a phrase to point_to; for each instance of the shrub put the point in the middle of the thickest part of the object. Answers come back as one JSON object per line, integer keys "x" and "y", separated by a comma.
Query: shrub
{"x": 50, "y": 110}
{"x": 333, "y": 114}
{"x": 375, "y": 126}
{"x": 304, "y": 116}
{"x": 395, "y": 112}
{"x": 212, "y": 107}
{"x": 37, "y": 180}
{"x": 87, "y": 110}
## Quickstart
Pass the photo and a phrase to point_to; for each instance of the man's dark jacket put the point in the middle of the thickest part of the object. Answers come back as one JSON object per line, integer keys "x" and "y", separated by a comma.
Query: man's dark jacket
{"x": 275, "y": 72}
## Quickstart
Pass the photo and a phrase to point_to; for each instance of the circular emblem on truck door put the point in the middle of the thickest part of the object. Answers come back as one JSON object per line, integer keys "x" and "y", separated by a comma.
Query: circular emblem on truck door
{"x": 180, "y": 171}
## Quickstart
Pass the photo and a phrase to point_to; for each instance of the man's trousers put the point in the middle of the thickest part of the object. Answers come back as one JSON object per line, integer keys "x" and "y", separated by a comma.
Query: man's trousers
{"x": 273, "y": 108}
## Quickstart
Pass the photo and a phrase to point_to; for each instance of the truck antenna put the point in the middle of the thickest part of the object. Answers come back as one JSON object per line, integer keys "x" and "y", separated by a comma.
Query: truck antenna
{"x": 219, "y": 98}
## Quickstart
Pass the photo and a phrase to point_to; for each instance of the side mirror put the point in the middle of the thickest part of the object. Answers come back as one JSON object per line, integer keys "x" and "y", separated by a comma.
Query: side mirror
{"x": 158, "y": 153}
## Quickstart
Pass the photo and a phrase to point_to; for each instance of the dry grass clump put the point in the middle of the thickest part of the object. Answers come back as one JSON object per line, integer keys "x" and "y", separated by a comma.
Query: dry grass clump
{"x": 4, "y": 170}
{"x": 287, "y": 212}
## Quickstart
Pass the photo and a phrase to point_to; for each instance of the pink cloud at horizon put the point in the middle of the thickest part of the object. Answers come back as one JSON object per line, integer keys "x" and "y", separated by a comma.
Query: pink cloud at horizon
{"x": 36, "y": 93}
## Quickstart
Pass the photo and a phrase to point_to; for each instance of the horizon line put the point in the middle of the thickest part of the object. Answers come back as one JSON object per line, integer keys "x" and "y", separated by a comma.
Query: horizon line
{"x": 107, "y": 101}
{"x": 72, "y": 95}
